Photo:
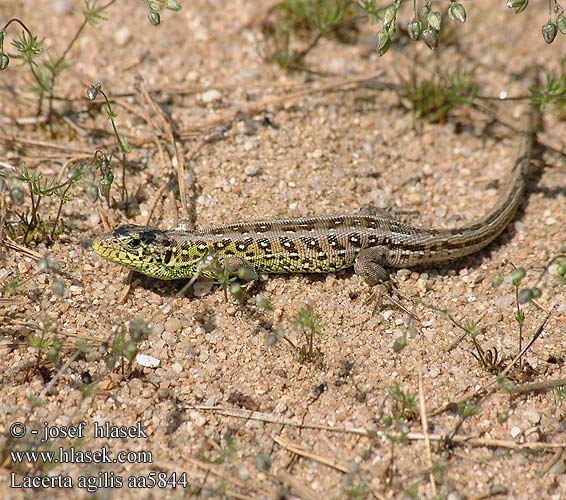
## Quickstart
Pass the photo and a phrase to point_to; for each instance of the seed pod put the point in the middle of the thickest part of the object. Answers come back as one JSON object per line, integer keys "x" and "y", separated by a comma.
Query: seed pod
{"x": 430, "y": 38}
{"x": 111, "y": 360}
{"x": 389, "y": 15}
{"x": 93, "y": 90}
{"x": 173, "y": 5}
{"x": 130, "y": 351}
{"x": 92, "y": 192}
{"x": 383, "y": 42}
{"x": 236, "y": 290}
{"x": 561, "y": 23}
{"x": 525, "y": 295}
{"x": 457, "y": 12}
{"x": 246, "y": 274}
{"x": 426, "y": 8}
{"x": 270, "y": 339}
{"x": 549, "y": 31}
{"x": 4, "y": 61}
{"x": 105, "y": 184}
{"x": 434, "y": 19}
{"x": 391, "y": 29}
{"x": 518, "y": 5}
{"x": 517, "y": 275}
{"x": 414, "y": 29}
{"x": 154, "y": 18}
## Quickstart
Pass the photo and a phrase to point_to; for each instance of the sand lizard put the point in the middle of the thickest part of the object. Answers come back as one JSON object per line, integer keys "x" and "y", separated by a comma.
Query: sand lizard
{"x": 372, "y": 244}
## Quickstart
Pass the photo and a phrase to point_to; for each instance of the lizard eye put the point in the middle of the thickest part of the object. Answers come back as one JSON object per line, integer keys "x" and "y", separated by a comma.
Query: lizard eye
{"x": 134, "y": 243}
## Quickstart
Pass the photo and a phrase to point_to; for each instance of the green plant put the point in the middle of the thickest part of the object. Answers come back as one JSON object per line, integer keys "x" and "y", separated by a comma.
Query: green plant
{"x": 227, "y": 275}
{"x": 516, "y": 277}
{"x": 45, "y": 69}
{"x": 552, "y": 96}
{"x": 468, "y": 410}
{"x": 309, "y": 324}
{"x": 357, "y": 489}
{"x": 488, "y": 360}
{"x": 16, "y": 286}
{"x": 224, "y": 454}
{"x": 31, "y": 226}
{"x": 103, "y": 162}
{"x": 403, "y": 409}
{"x": 307, "y": 19}
{"x": 435, "y": 97}
{"x": 559, "y": 396}
{"x": 125, "y": 344}
{"x": 44, "y": 343}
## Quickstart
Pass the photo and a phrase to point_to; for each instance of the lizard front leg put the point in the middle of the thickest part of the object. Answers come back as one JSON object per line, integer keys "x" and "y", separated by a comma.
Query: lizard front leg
{"x": 240, "y": 267}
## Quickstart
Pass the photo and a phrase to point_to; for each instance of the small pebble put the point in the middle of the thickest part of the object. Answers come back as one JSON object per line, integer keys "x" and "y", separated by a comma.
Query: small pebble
{"x": 532, "y": 415}
{"x": 337, "y": 65}
{"x": 338, "y": 172}
{"x": 197, "y": 418}
{"x": 202, "y": 287}
{"x": 422, "y": 284}
{"x": 243, "y": 473}
{"x": 558, "y": 468}
{"x": 504, "y": 301}
{"x": 515, "y": 431}
{"x": 251, "y": 170}
{"x": 147, "y": 361}
{"x": 172, "y": 325}
{"x": 211, "y": 96}
{"x": 440, "y": 212}
{"x": 317, "y": 153}
{"x": 93, "y": 219}
{"x": 158, "y": 328}
{"x": 62, "y": 7}
{"x": 122, "y": 36}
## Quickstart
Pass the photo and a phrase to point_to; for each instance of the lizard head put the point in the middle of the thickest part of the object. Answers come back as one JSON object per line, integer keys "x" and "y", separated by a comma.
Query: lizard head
{"x": 143, "y": 249}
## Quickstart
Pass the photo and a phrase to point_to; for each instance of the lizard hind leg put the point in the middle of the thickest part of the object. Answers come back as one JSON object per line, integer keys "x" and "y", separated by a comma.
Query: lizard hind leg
{"x": 371, "y": 264}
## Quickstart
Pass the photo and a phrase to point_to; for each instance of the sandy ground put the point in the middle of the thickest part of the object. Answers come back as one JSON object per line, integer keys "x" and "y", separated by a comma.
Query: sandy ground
{"x": 223, "y": 411}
